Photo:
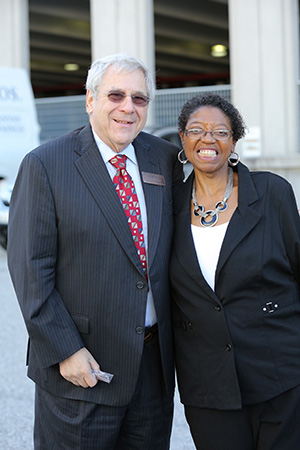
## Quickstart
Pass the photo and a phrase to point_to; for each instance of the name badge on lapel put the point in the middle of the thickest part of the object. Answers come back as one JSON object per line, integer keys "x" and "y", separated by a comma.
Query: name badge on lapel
{"x": 153, "y": 178}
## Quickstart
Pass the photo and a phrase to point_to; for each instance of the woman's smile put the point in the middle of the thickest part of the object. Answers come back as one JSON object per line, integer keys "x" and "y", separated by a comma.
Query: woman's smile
{"x": 207, "y": 152}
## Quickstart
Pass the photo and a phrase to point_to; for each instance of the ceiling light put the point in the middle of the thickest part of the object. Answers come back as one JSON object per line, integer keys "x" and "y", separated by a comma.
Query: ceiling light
{"x": 71, "y": 67}
{"x": 218, "y": 51}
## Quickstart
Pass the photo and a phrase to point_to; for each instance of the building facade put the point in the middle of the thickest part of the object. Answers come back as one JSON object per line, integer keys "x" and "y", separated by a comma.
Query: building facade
{"x": 263, "y": 42}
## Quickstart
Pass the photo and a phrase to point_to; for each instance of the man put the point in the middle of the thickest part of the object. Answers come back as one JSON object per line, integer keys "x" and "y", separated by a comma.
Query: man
{"x": 92, "y": 286}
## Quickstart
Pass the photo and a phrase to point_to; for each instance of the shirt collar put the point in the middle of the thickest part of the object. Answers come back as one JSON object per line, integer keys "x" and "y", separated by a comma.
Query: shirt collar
{"x": 107, "y": 153}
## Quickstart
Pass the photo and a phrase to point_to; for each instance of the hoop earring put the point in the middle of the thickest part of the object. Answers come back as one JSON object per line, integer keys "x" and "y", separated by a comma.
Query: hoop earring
{"x": 179, "y": 157}
{"x": 233, "y": 159}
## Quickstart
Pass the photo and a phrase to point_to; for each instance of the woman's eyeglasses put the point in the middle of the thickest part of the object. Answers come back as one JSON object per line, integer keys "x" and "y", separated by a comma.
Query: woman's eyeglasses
{"x": 199, "y": 133}
{"x": 119, "y": 96}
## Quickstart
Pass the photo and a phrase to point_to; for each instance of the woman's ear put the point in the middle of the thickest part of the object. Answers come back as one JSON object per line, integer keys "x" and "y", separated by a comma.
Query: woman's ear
{"x": 181, "y": 134}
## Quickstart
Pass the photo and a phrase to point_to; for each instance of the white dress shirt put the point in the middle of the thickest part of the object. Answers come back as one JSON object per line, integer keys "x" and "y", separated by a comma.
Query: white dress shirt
{"x": 132, "y": 168}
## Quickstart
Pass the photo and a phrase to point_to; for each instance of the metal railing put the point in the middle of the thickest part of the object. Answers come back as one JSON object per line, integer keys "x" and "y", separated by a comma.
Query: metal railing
{"x": 168, "y": 102}
{"x": 59, "y": 115}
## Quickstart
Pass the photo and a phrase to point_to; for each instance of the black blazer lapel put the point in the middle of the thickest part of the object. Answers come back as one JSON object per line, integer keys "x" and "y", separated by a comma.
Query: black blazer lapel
{"x": 92, "y": 169}
{"x": 244, "y": 218}
{"x": 183, "y": 239}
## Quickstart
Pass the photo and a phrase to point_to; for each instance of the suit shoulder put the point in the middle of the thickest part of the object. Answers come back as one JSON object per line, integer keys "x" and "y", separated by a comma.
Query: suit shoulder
{"x": 271, "y": 186}
{"x": 269, "y": 178}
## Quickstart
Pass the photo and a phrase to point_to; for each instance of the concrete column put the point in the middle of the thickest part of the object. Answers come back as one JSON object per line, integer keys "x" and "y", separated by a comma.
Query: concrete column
{"x": 119, "y": 26}
{"x": 14, "y": 26}
{"x": 264, "y": 48}
{"x": 123, "y": 26}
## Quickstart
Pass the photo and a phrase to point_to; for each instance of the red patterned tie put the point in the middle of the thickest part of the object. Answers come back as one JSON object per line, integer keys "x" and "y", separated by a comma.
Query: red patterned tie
{"x": 126, "y": 190}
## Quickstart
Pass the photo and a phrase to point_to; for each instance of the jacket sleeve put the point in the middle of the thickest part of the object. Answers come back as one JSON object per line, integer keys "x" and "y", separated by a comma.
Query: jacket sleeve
{"x": 290, "y": 225}
{"x": 32, "y": 252}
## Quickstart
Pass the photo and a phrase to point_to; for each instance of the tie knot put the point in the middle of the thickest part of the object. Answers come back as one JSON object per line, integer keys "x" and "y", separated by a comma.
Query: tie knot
{"x": 119, "y": 161}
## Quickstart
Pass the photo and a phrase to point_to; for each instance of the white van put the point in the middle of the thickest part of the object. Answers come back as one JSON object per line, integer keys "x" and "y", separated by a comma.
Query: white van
{"x": 19, "y": 133}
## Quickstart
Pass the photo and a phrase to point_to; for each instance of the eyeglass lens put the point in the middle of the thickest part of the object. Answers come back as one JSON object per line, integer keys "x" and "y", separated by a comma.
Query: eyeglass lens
{"x": 118, "y": 97}
{"x": 199, "y": 133}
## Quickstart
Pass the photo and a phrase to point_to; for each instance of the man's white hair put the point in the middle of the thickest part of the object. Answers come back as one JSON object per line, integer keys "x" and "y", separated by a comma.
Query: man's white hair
{"x": 122, "y": 62}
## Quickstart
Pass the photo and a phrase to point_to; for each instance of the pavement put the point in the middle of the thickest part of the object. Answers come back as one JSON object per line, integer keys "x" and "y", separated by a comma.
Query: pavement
{"x": 16, "y": 390}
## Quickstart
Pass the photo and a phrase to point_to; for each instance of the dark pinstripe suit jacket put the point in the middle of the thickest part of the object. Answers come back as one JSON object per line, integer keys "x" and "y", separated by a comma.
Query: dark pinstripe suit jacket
{"x": 75, "y": 268}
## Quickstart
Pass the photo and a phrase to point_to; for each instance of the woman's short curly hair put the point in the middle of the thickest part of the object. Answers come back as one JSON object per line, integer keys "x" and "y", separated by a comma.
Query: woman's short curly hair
{"x": 214, "y": 100}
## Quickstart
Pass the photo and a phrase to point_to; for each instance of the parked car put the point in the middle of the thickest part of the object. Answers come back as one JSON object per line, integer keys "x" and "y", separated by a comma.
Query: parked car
{"x": 171, "y": 134}
{"x": 5, "y": 193}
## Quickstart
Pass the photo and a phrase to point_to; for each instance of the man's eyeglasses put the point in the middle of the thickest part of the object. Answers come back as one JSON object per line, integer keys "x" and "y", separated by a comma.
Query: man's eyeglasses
{"x": 119, "y": 96}
{"x": 199, "y": 133}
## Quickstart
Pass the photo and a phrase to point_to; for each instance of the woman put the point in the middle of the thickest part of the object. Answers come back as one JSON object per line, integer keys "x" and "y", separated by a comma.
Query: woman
{"x": 236, "y": 290}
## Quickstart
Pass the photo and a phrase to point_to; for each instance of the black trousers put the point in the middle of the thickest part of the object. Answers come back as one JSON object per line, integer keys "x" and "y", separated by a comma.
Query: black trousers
{"x": 271, "y": 425}
{"x": 144, "y": 424}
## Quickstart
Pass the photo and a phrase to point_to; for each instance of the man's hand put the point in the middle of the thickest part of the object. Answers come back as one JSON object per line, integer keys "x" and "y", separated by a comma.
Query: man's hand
{"x": 78, "y": 369}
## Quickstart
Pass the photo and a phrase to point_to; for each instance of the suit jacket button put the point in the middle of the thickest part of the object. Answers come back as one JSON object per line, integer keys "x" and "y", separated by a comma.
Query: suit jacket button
{"x": 140, "y": 284}
{"x": 228, "y": 347}
{"x": 218, "y": 308}
{"x": 139, "y": 330}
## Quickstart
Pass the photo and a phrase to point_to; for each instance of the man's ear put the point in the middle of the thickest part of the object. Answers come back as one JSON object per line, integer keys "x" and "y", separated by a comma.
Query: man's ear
{"x": 89, "y": 102}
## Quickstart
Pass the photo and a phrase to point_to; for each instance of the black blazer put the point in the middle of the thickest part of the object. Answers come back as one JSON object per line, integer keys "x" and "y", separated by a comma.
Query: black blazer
{"x": 74, "y": 265}
{"x": 239, "y": 344}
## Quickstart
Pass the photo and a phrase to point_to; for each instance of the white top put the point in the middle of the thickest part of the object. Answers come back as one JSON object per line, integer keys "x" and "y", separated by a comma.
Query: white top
{"x": 208, "y": 243}
{"x": 132, "y": 168}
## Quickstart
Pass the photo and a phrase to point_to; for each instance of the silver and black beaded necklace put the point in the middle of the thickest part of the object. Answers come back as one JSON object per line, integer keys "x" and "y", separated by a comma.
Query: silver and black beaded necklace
{"x": 219, "y": 207}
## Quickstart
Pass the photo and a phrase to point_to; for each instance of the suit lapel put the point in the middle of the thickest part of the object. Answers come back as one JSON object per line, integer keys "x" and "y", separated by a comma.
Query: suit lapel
{"x": 244, "y": 218}
{"x": 153, "y": 195}
{"x": 183, "y": 239}
{"x": 92, "y": 169}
